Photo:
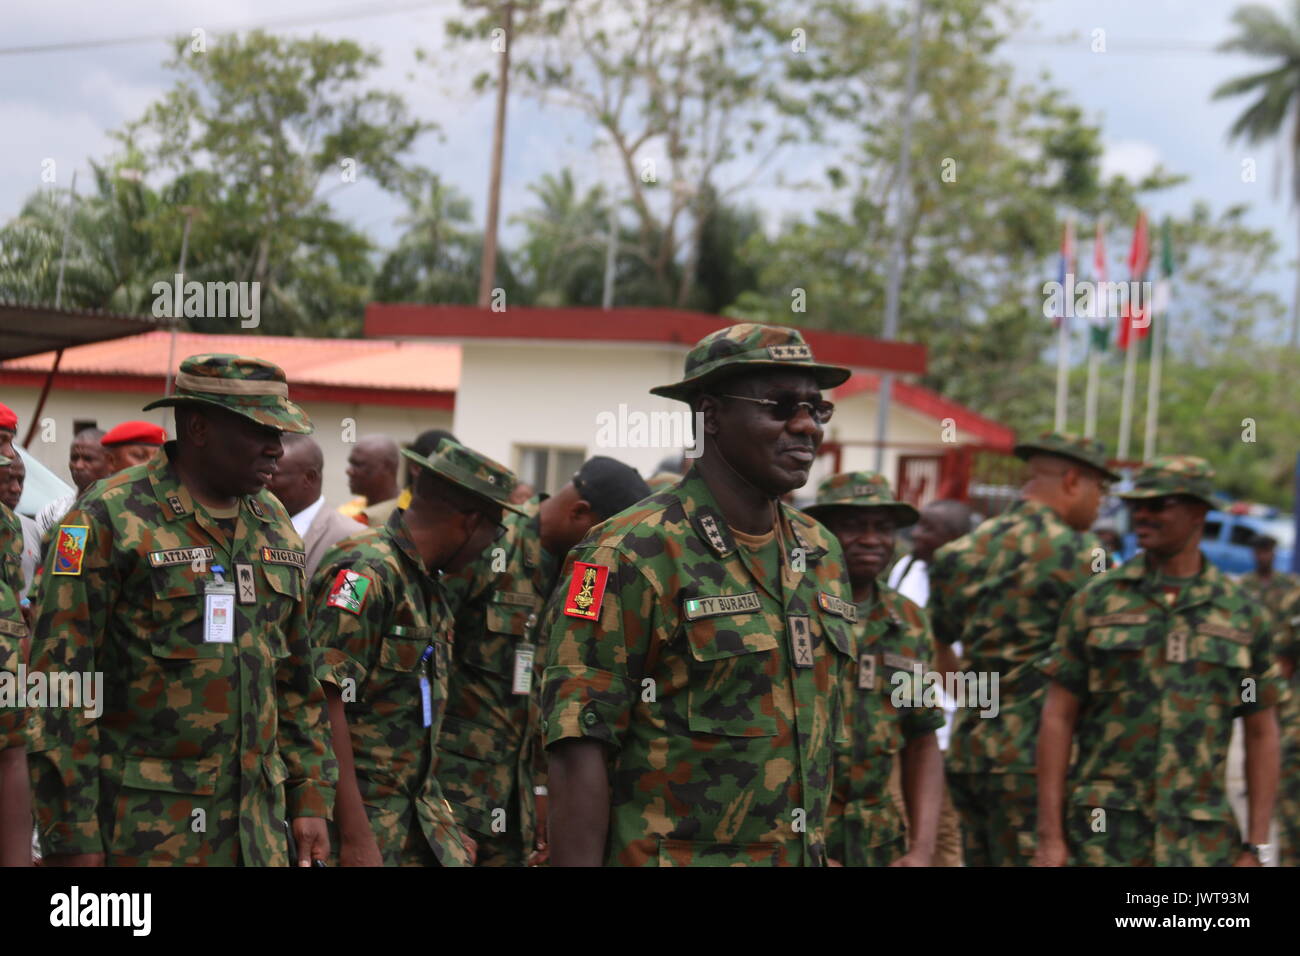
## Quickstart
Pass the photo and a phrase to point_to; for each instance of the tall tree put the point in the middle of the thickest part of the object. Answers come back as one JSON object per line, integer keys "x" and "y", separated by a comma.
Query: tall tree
{"x": 1263, "y": 33}
{"x": 263, "y": 129}
{"x": 679, "y": 91}
{"x": 111, "y": 257}
{"x": 562, "y": 256}
{"x": 437, "y": 258}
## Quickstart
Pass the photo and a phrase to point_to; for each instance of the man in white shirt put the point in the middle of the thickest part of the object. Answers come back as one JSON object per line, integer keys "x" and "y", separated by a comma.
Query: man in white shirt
{"x": 87, "y": 463}
{"x": 297, "y": 483}
{"x": 941, "y": 522}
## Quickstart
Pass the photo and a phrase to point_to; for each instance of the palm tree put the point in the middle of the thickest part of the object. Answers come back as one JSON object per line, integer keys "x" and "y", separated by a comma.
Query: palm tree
{"x": 1263, "y": 33}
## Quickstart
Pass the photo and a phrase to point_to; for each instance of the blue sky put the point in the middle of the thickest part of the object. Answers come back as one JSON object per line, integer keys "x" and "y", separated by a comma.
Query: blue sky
{"x": 1149, "y": 92}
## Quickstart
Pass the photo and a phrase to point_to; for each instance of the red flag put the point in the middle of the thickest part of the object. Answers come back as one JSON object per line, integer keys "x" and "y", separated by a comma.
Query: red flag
{"x": 1135, "y": 322}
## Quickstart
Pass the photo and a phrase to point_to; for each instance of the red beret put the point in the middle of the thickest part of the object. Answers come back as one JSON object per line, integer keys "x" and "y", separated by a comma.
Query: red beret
{"x": 135, "y": 433}
{"x": 7, "y": 418}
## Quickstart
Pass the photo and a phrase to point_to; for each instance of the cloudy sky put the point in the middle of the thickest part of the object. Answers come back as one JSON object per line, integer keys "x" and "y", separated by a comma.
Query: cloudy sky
{"x": 1149, "y": 91}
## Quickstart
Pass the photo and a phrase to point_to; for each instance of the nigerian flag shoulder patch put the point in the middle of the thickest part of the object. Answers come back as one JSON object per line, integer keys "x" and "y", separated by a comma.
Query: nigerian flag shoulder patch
{"x": 349, "y": 591}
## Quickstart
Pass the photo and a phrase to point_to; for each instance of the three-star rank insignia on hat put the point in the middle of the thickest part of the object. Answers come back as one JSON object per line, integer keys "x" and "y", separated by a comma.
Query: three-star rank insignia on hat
{"x": 586, "y": 590}
{"x": 349, "y": 591}
{"x": 70, "y": 548}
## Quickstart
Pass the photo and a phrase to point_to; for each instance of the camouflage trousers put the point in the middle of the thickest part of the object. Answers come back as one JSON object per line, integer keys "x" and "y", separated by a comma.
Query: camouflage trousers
{"x": 999, "y": 813}
{"x": 947, "y": 839}
{"x": 1129, "y": 838}
{"x": 399, "y": 837}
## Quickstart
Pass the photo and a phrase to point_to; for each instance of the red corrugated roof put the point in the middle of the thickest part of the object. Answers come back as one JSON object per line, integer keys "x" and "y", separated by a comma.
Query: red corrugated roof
{"x": 672, "y": 326}
{"x": 930, "y": 403}
{"x": 403, "y": 373}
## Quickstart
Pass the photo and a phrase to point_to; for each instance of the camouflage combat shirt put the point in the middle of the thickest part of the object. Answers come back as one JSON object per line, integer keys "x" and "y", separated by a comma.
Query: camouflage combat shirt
{"x": 1000, "y": 590}
{"x": 203, "y": 748}
{"x": 11, "y": 549}
{"x": 1159, "y": 684}
{"x": 381, "y": 635}
{"x": 718, "y": 697}
{"x": 13, "y": 718}
{"x": 884, "y": 713}
{"x": 488, "y": 752}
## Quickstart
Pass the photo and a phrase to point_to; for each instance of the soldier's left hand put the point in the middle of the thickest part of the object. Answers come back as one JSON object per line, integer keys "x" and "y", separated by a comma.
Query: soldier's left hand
{"x": 913, "y": 858}
{"x": 313, "y": 839}
{"x": 1247, "y": 859}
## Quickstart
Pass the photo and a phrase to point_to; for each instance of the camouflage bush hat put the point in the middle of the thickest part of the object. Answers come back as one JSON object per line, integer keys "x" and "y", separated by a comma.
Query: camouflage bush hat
{"x": 862, "y": 489}
{"x": 1087, "y": 451}
{"x": 477, "y": 474}
{"x": 1174, "y": 475}
{"x": 745, "y": 348}
{"x": 251, "y": 387}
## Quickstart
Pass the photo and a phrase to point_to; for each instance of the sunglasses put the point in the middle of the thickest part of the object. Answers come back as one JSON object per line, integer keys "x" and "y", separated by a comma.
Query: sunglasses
{"x": 500, "y": 531}
{"x": 1154, "y": 504}
{"x": 787, "y": 407}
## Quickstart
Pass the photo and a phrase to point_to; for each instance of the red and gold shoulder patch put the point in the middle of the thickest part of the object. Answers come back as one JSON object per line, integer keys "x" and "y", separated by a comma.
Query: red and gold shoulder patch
{"x": 70, "y": 548}
{"x": 349, "y": 591}
{"x": 586, "y": 590}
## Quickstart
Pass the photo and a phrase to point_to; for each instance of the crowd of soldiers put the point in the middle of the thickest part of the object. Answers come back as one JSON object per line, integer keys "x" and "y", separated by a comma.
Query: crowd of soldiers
{"x": 689, "y": 671}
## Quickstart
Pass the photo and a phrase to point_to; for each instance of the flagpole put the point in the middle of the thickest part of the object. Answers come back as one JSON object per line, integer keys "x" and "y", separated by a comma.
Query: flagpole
{"x": 1153, "y": 386}
{"x": 1094, "y": 352}
{"x": 1126, "y": 400}
{"x": 1090, "y": 407}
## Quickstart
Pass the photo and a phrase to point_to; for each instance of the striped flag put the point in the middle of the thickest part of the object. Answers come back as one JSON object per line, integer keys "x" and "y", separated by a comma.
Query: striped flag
{"x": 1100, "y": 321}
{"x": 1066, "y": 266}
{"x": 1139, "y": 259}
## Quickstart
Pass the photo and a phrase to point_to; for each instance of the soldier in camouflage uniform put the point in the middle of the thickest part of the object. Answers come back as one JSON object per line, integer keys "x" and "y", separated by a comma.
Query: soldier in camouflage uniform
{"x": 15, "y": 796}
{"x": 699, "y": 638}
{"x": 181, "y": 581}
{"x": 1000, "y": 591}
{"x": 887, "y": 715}
{"x": 382, "y": 635}
{"x": 488, "y": 759}
{"x": 1280, "y": 593}
{"x": 1152, "y": 662}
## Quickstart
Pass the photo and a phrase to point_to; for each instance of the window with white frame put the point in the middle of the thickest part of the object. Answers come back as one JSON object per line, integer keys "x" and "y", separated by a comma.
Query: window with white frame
{"x": 547, "y": 469}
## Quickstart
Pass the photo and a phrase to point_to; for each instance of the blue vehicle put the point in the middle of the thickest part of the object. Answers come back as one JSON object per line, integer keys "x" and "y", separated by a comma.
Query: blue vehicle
{"x": 1228, "y": 535}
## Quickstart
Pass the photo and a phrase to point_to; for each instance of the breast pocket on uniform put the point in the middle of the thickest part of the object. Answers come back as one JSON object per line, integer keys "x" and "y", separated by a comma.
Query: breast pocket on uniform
{"x": 735, "y": 665}
{"x": 504, "y": 627}
{"x": 176, "y": 612}
{"x": 1115, "y": 659}
{"x": 1219, "y": 663}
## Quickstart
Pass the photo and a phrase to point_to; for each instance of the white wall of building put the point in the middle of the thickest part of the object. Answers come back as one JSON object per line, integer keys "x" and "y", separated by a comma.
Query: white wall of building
{"x": 51, "y": 446}
{"x": 553, "y": 393}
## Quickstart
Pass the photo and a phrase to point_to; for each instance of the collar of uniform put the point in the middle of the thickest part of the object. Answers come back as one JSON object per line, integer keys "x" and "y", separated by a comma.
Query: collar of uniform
{"x": 175, "y": 500}
{"x": 704, "y": 514}
{"x": 395, "y": 530}
{"x": 809, "y": 534}
{"x": 1028, "y": 507}
{"x": 882, "y": 607}
{"x": 1208, "y": 585}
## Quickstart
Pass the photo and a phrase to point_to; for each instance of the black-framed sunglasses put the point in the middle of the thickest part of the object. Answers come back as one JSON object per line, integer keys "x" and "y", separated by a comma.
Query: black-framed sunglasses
{"x": 1159, "y": 503}
{"x": 787, "y": 407}
{"x": 500, "y": 531}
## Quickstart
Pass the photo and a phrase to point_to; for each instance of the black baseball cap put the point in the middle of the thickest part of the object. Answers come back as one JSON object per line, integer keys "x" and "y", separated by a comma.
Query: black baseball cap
{"x": 609, "y": 486}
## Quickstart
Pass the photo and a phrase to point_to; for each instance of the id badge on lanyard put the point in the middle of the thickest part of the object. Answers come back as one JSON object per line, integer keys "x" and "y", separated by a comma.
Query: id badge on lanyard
{"x": 525, "y": 654}
{"x": 218, "y": 608}
{"x": 426, "y": 690}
